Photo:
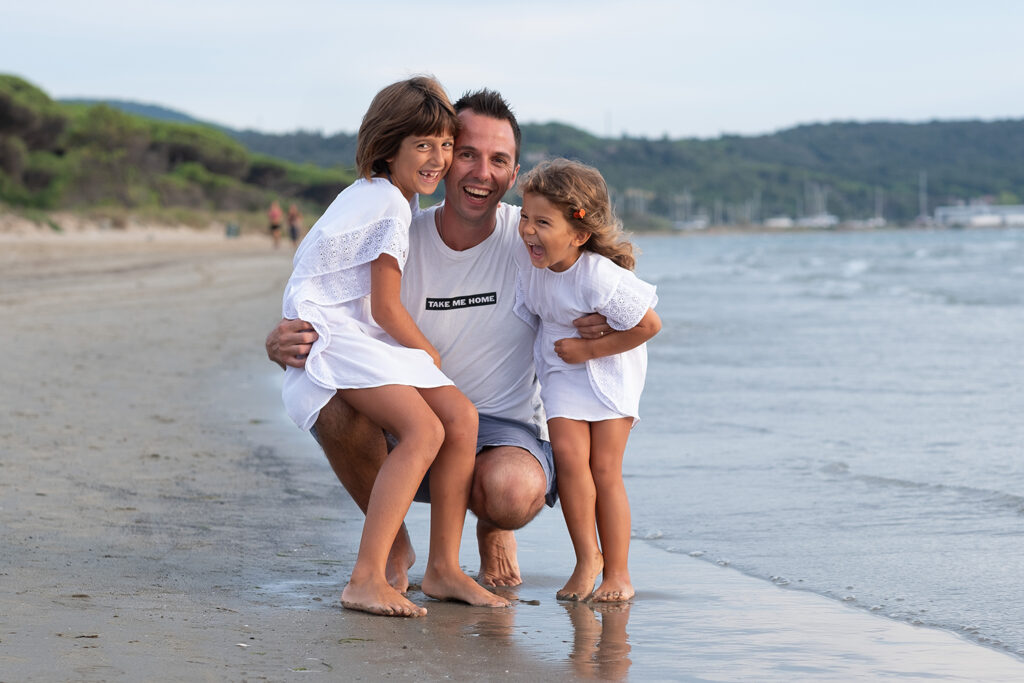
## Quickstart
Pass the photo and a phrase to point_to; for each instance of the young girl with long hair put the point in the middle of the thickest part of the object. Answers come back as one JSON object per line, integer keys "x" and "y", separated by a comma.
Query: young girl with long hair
{"x": 579, "y": 263}
{"x": 346, "y": 283}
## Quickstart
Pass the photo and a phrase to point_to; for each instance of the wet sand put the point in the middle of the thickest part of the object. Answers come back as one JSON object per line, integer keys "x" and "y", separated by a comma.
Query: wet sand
{"x": 160, "y": 519}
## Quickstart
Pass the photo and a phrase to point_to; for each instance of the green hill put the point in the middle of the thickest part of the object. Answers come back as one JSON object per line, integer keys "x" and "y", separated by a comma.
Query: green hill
{"x": 848, "y": 169}
{"x": 150, "y": 111}
{"x": 302, "y": 147}
{"x": 68, "y": 155}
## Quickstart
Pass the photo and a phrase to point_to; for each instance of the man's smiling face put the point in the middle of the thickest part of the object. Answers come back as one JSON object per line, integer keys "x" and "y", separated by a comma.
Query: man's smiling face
{"x": 483, "y": 167}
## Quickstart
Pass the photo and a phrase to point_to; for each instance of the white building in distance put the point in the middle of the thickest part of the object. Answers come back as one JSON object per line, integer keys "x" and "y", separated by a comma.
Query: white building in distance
{"x": 980, "y": 215}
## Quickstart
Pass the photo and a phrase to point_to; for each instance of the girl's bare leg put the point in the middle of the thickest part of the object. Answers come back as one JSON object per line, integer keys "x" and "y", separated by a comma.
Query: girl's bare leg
{"x": 608, "y": 444}
{"x": 570, "y": 440}
{"x": 400, "y": 410}
{"x": 450, "y": 478}
{"x": 355, "y": 449}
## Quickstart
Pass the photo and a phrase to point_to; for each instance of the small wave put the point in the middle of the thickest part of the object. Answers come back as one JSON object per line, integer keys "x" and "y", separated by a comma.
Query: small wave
{"x": 1001, "y": 499}
{"x": 836, "y": 468}
{"x": 891, "y": 608}
{"x": 941, "y": 297}
{"x": 997, "y": 247}
{"x": 752, "y": 429}
{"x": 855, "y": 267}
{"x": 648, "y": 535}
{"x": 839, "y": 289}
{"x": 915, "y": 295}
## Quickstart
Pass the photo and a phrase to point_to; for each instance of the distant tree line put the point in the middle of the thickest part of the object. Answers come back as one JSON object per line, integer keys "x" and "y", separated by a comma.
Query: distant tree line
{"x": 853, "y": 170}
{"x": 81, "y": 153}
{"x": 71, "y": 155}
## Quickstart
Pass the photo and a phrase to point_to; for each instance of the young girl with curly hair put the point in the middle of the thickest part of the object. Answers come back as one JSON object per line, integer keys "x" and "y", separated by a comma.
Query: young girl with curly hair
{"x": 576, "y": 262}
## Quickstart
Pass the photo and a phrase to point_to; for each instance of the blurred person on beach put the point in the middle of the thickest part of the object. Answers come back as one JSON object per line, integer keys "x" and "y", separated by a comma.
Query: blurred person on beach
{"x": 274, "y": 216}
{"x": 370, "y": 353}
{"x": 294, "y": 225}
{"x": 577, "y": 260}
{"x": 459, "y": 285}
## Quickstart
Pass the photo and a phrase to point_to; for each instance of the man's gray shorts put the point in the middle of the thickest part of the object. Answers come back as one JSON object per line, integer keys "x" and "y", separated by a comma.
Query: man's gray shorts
{"x": 498, "y": 431}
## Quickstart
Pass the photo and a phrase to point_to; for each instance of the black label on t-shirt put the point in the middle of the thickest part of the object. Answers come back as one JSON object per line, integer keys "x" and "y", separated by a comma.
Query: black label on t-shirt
{"x": 487, "y": 299}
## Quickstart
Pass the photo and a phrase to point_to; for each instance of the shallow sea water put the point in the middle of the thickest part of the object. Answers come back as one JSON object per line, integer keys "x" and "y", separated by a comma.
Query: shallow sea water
{"x": 841, "y": 413}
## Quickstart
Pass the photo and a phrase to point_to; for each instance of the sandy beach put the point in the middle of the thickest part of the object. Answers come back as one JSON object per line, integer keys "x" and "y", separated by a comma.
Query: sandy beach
{"x": 162, "y": 520}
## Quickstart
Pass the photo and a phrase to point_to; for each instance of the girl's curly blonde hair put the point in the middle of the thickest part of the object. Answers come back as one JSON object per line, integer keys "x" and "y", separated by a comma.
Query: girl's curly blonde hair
{"x": 580, "y": 191}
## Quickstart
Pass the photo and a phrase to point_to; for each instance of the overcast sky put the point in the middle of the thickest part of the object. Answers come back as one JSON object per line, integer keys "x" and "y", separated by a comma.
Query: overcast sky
{"x": 642, "y": 67}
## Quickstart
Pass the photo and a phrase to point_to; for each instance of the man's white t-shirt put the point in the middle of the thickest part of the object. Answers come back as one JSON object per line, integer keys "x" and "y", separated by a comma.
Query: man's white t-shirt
{"x": 462, "y": 301}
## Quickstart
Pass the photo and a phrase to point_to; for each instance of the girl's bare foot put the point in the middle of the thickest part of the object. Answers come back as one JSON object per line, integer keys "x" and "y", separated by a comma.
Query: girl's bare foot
{"x": 460, "y": 587}
{"x": 614, "y": 589}
{"x": 581, "y": 583}
{"x": 378, "y": 597}
{"x": 401, "y": 558}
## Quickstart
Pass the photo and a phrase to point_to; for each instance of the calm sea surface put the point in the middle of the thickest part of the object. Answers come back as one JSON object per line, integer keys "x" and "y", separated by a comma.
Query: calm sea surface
{"x": 843, "y": 413}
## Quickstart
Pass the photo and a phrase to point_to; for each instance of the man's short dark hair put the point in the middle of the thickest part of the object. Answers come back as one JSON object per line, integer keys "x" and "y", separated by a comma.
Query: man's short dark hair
{"x": 490, "y": 103}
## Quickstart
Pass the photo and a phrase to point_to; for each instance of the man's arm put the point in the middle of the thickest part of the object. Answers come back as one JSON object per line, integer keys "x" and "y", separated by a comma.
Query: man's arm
{"x": 574, "y": 350}
{"x": 289, "y": 343}
{"x": 592, "y": 326}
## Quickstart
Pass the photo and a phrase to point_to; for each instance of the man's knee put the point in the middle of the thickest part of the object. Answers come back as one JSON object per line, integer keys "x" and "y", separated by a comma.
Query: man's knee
{"x": 508, "y": 488}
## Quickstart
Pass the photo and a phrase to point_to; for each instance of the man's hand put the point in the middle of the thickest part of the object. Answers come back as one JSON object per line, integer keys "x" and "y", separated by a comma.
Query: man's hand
{"x": 573, "y": 350}
{"x": 593, "y": 326}
{"x": 289, "y": 343}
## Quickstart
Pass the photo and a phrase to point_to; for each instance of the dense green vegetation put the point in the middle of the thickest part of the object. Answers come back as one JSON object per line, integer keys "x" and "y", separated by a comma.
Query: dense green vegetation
{"x": 852, "y": 170}
{"x": 849, "y": 169}
{"x": 76, "y": 155}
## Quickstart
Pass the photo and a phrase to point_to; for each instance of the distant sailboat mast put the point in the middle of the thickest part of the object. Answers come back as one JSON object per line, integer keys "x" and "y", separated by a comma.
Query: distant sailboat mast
{"x": 922, "y": 196}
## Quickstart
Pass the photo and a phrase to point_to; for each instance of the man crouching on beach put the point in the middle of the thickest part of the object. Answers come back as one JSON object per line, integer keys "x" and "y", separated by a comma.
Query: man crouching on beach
{"x": 459, "y": 287}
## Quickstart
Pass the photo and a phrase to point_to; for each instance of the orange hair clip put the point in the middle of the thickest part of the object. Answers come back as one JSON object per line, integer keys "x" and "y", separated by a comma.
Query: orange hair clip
{"x": 579, "y": 213}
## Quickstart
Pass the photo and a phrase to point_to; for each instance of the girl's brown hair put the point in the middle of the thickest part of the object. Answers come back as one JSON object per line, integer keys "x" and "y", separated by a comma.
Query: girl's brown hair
{"x": 416, "y": 106}
{"x": 580, "y": 191}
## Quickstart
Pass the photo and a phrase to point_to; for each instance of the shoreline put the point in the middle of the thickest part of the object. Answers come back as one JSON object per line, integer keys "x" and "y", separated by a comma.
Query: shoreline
{"x": 121, "y": 225}
{"x": 161, "y": 518}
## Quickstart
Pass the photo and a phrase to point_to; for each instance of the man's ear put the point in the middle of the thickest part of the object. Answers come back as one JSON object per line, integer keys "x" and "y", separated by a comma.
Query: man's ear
{"x": 512, "y": 180}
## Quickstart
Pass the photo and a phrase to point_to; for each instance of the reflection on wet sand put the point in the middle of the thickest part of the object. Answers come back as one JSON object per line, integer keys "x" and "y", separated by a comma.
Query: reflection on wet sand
{"x": 601, "y": 646}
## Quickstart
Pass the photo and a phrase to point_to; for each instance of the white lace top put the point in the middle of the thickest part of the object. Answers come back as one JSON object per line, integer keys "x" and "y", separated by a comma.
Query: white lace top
{"x": 329, "y": 288}
{"x": 551, "y": 301}
{"x": 332, "y": 264}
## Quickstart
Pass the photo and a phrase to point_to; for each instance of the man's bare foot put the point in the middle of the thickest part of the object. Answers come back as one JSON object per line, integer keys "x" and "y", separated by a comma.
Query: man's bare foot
{"x": 498, "y": 563}
{"x": 614, "y": 589}
{"x": 377, "y": 597}
{"x": 458, "y": 586}
{"x": 401, "y": 558}
{"x": 581, "y": 584}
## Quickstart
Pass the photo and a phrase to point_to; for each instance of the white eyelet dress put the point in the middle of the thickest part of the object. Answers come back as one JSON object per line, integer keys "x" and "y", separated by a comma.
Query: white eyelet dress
{"x": 330, "y": 289}
{"x": 600, "y": 389}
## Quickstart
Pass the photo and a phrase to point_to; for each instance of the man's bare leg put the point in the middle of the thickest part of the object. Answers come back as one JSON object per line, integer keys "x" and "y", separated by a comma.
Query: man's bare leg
{"x": 508, "y": 491}
{"x": 499, "y": 565}
{"x": 355, "y": 449}
{"x": 450, "y": 478}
